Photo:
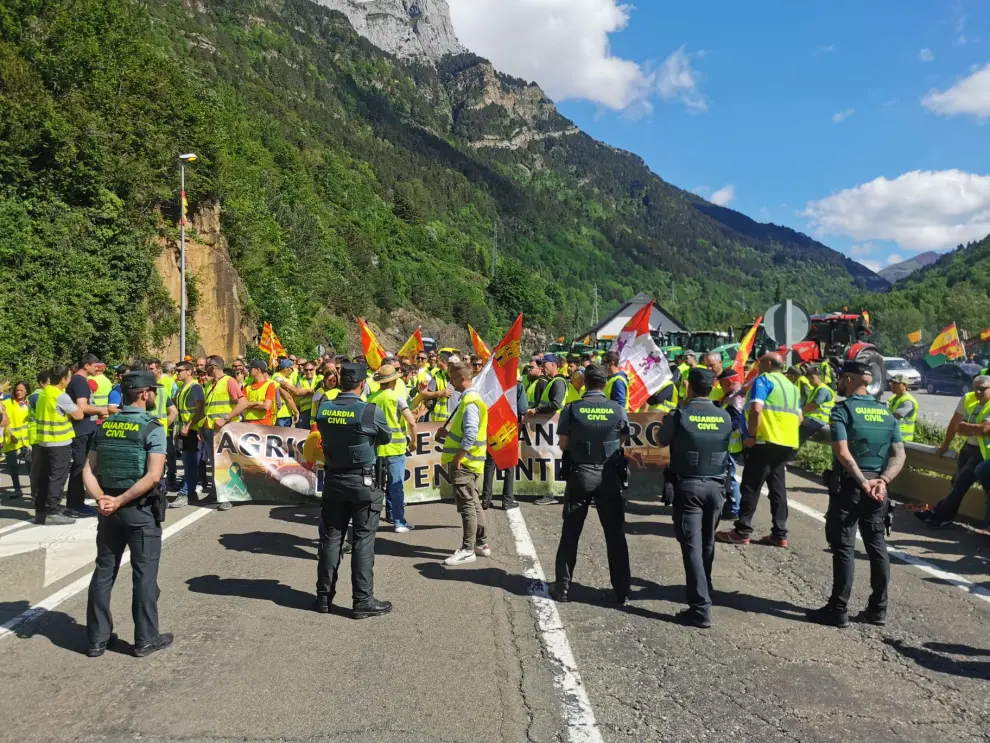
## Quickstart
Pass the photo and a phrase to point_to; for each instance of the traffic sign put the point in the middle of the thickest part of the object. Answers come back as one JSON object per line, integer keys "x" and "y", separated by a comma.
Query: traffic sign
{"x": 321, "y": 349}
{"x": 787, "y": 323}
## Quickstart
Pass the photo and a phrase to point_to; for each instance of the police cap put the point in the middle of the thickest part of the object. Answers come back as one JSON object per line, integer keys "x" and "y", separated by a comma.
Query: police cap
{"x": 549, "y": 357}
{"x": 137, "y": 380}
{"x": 858, "y": 368}
{"x": 595, "y": 376}
{"x": 701, "y": 378}
{"x": 729, "y": 373}
{"x": 352, "y": 373}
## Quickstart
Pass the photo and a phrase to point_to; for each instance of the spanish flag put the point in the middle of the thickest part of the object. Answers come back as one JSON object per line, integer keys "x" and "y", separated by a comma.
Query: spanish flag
{"x": 746, "y": 349}
{"x": 374, "y": 354}
{"x": 185, "y": 209}
{"x": 914, "y": 337}
{"x": 947, "y": 344}
{"x": 413, "y": 346}
{"x": 479, "y": 345}
{"x": 985, "y": 335}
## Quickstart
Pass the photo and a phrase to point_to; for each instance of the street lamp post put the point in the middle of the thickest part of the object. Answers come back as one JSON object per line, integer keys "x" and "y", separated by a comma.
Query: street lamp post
{"x": 183, "y": 159}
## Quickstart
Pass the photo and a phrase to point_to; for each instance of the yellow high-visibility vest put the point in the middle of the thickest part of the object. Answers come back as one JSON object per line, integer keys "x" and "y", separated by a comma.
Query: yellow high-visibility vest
{"x": 103, "y": 386}
{"x": 781, "y": 413}
{"x": 907, "y": 424}
{"x": 976, "y": 413}
{"x": 187, "y": 408}
{"x": 53, "y": 426}
{"x": 253, "y": 394}
{"x": 825, "y": 409}
{"x": 388, "y": 403}
{"x": 218, "y": 402}
{"x": 474, "y": 457}
{"x": 15, "y": 435}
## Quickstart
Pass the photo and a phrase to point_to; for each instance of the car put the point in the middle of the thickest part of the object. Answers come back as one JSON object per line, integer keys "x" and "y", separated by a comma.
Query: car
{"x": 951, "y": 379}
{"x": 896, "y": 366}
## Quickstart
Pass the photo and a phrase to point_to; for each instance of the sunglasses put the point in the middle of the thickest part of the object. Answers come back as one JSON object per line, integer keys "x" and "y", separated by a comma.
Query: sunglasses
{"x": 478, "y": 366}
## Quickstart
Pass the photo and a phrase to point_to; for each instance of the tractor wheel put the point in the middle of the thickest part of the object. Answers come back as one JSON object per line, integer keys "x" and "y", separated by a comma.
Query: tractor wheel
{"x": 875, "y": 360}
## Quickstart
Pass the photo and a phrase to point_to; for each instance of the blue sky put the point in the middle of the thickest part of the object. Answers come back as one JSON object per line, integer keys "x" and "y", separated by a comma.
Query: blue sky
{"x": 791, "y": 111}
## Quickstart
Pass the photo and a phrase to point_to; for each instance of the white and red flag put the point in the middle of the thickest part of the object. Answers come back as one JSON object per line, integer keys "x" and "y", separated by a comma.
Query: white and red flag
{"x": 641, "y": 359}
{"x": 496, "y": 384}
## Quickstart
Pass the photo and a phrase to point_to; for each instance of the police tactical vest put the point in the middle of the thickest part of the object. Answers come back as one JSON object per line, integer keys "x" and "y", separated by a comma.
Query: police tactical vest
{"x": 345, "y": 444}
{"x": 121, "y": 446}
{"x": 870, "y": 431}
{"x": 594, "y": 436}
{"x": 701, "y": 440}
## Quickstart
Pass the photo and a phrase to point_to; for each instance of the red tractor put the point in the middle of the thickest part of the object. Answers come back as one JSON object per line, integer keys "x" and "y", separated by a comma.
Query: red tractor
{"x": 841, "y": 336}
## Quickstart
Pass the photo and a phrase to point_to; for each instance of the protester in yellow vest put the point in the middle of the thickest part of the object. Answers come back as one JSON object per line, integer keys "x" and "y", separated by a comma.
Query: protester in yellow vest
{"x": 818, "y": 405}
{"x": 665, "y": 399}
{"x": 303, "y": 389}
{"x": 101, "y": 397}
{"x": 190, "y": 405}
{"x": 286, "y": 409}
{"x": 15, "y": 433}
{"x": 713, "y": 361}
{"x": 439, "y": 391}
{"x": 904, "y": 407}
{"x": 42, "y": 379}
{"x": 395, "y": 406}
{"x": 225, "y": 401}
{"x": 575, "y": 387}
{"x": 463, "y": 458}
{"x": 773, "y": 418}
{"x": 51, "y": 456}
{"x": 797, "y": 377}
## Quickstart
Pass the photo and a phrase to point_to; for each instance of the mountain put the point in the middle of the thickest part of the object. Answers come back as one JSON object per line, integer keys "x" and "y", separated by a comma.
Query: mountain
{"x": 337, "y": 178}
{"x": 901, "y": 270}
{"x": 955, "y": 288}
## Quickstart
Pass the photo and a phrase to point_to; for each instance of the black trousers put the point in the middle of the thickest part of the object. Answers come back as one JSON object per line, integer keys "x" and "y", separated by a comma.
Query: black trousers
{"x": 946, "y": 509}
{"x": 764, "y": 464}
{"x": 49, "y": 470}
{"x": 585, "y": 485}
{"x": 170, "y": 464}
{"x": 697, "y": 507}
{"x": 134, "y": 527}
{"x": 81, "y": 446}
{"x": 347, "y": 502}
{"x": 488, "y": 485}
{"x": 848, "y": 509}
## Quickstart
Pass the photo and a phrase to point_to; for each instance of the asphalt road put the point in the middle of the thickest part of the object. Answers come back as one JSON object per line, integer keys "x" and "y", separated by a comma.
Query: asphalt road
{"x": 465, "y": 657}
{"x": 937, "y": 409}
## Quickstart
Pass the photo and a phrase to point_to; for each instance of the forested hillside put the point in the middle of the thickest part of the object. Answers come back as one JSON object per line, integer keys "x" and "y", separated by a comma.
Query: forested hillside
{"x": 954, "y": 289}
{"x": 349, "y": 183}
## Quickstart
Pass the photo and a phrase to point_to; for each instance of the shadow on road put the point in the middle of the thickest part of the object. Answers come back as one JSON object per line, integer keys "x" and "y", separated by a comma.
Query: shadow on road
{"x": 24, "y": 515}
{"x": 494, "y": 577}
{"x": 59, "y": 628}
{"x": 934, "y": 661}
{"x": 252, "y": 588}
{"x": 271, "y": 543}
{"x": 296, "y": 514}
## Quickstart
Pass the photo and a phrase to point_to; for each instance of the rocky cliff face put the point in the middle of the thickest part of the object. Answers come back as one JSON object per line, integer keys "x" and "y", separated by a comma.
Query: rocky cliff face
{"x": 419, "y": 29}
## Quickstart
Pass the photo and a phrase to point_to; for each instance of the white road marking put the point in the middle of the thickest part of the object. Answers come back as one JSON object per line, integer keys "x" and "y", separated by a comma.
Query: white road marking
{"x": 49, "y": 603}
{"x": 67, "y": 548}
{"x": 14, "y": 527}
{"x": 579, "y": 717}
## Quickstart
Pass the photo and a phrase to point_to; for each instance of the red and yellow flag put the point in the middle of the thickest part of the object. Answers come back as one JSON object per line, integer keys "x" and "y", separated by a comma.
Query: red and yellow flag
{"x": 479, "y": 345}
{"x": 185, "y": 209}
{"x": 746, "y": 349}
{"x": 914, "y": 337}
{"x": 947, "y": 344}
{"x": 985, "y": 335}
{"x": 413, "y": 346}
{"x": 373, "y": 352}
{"x": 270, "y": 344}
{"x": 866, "y": 319}
{"x": 497, "y": 386}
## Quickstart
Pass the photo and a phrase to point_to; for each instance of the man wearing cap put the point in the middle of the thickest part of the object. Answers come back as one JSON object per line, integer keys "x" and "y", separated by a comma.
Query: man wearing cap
{"x": 351, "y": 430}
{"x": 124, "y": 473}
{"x": 286, "y": 409}
{"x": 395, "y": 407}
{"x": 773, "y": 417}
{"x": 617, "y": 387}
{"x": 698, "y": 436}
{"x": 866, "y": 442}
{"x": 818, "y": 406}
{"x": 972, "y": 420}
{"x": 734, "y": 403}
{"x": 84, "y": 432}
{"x": 591, "y": 434}
{"x": 904, "y": 406}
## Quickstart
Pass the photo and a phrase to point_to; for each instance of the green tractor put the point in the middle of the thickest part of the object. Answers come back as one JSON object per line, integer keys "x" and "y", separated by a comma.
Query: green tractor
{"x": 701, "y": 342}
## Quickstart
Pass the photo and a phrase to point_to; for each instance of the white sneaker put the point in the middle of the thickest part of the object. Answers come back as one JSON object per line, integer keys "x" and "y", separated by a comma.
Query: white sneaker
{"x": 483, "y": 550}
{"x": 403, "y": 528}
{"x": 460, "y": 557}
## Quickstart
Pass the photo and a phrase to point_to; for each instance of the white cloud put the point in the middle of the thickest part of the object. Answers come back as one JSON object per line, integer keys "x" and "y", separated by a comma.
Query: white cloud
{"x": 701, "y": 190}
{"x": 926, "y": 55}
{"x": 724, "y": 195}
{"x": 920, "y": 210}
{"x": 894, "y": 258}
{"x": 824, "y": 49}
{"x": 842, "y": 115}
{"x": 862, "y": 250}
{"x": 971, "y": 95}
{"x": 872, "y": 265}
{"x": 564, "y": 46}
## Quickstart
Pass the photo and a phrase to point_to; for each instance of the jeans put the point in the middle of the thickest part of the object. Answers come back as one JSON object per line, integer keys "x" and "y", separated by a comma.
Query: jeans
{"x": 305, "y": 420}
{"x": 394, "y": 493}
{"x": 189, "y": 447}
{"x": 983, "y": 477}
{"x": 733, "y": 495}
{"x": 283, "y": 422}
{"x": 14, "y": 470}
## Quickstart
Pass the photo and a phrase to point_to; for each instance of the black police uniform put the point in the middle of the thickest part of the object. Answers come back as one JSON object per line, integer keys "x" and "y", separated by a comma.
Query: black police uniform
{"x": 594, "y": 427}
{"x": 351, "y": 430}
{"x": 870, "y": 430}
{"x": 122, "y": 446}
{"x": 698, "y": 437}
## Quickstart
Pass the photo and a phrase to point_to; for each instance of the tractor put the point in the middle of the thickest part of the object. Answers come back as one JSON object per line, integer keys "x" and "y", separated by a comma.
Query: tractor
{"x": 839, "y": 337}
{"x": 700, "y": 341}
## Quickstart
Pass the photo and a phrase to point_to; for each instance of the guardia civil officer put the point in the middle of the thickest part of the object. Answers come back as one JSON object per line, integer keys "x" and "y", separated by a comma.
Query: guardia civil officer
{"x": 353, "y": 493}
{"x": 591, "y": 434}
{"x": 124, "y": 474}
{"x": 866, "y": 442}
{"x": 698, "y": 436}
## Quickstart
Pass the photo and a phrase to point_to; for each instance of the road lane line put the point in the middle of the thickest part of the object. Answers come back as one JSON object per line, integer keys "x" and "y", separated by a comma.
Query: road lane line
{"x": 14, "y": 527}
{"x": 579, "y": 717}
{"x": 47, "y": 604}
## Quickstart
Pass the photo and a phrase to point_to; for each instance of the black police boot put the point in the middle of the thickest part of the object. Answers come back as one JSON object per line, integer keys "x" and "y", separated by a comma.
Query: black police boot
{"x": 558, "y": 592}
{"x": 372, "y": 608}
{"x": 95, "y": 651}
{"x": 691, "y": 618}
{"x": 829, "y": 616}
{"x": 877, "y": 617}
{"x": 322, "y": 603}
{"x": 163, "y": 641}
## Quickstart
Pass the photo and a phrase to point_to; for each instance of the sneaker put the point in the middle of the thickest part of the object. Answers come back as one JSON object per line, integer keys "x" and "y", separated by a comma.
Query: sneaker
{"x": 771, "y": 541}
{"x": 180, "y": 501}
{"x": 163, "y": 641}
{"x": 509, "y": 504}
{"x": 81, "y": 512}
{"x": 483, "y": 550}
{"x": 322, "y": 603}
{"x": 373, "y": 608}
{"x": 546, "y": 500}
{"x": 828, "y": 616}
{"x": 347, "y": 548}
{"x": 460, "y": 557}
{"x": 486, "y": 505}
{"x": 403, "y": 528}
{"x": 731, "y": 537}
{"x": 691, "y": 618}
{"x": 53, "y": 519}
{"x": 224, "y": 505}
{"x": 876, "y": 617}
{"x": 95, "y": 651}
